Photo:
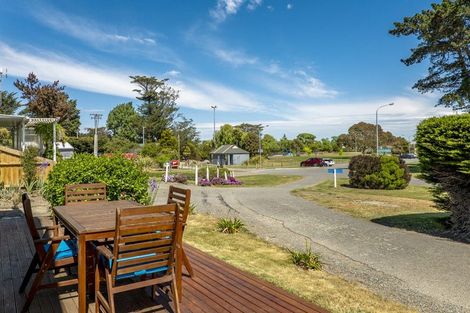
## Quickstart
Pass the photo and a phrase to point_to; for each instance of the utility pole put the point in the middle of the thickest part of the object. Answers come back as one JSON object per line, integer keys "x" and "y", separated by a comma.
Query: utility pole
{"x": 3, "y": 72}
{"x": 96, "y": 117}
{"x": 213, "y": 108}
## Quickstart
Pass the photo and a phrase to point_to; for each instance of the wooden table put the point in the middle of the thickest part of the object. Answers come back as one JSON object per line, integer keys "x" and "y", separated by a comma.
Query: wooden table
{"x": 94, "y": 220}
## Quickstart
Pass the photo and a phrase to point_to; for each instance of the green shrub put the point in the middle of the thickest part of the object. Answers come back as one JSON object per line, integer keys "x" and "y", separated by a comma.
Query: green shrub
{"x": 124, "y": 178}
{"x": 230, "y": 226}
{"x": 443, "y": 145}
{"x": 373, "y": 172}
{"x": 28, "y": 162}
{"x": 306, "y": 259}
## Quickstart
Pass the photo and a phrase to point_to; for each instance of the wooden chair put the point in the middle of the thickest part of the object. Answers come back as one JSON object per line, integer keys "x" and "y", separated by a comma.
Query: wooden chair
{"x": 52, "y": 253}
{"x": 85, "y": 192}
{"x": 143, "y": 254}
{"x": 182, "y": 198}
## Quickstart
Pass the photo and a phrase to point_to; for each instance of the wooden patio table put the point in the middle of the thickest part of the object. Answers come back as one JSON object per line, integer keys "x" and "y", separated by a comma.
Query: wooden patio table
{"x": 94, "y": 220}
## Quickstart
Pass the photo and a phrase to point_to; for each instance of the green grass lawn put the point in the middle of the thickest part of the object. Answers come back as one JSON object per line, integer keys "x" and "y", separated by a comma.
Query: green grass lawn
{"x": 411, "y": 208}
{"x": 265, "y": 180}
{"x": 269, "y": 262}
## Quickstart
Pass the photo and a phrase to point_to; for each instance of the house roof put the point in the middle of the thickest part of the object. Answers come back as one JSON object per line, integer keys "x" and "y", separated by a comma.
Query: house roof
{"x": 229, "y": 149}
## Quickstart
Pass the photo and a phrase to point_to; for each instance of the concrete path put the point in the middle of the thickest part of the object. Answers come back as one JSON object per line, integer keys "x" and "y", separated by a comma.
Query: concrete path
{"x": 429, "y": 273}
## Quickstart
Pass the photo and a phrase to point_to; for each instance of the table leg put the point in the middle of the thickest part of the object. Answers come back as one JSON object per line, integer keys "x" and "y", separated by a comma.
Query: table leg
{"x": 81, "y": 274}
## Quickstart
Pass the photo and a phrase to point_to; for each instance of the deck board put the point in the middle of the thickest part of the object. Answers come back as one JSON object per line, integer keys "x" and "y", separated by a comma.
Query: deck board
{"x": 216, "y": 286}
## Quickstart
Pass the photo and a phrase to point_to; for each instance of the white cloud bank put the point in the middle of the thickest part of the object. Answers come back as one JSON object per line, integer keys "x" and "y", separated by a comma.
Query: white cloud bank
{"x": 195, "y": 94}
{"x": 225, "y": 8}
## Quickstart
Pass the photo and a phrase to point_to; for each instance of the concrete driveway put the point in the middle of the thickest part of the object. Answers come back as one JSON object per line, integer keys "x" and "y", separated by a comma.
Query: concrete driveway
{"x": 429, "y": 273}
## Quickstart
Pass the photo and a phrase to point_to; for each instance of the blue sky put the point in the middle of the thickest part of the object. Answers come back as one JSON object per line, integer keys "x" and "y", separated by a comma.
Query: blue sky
{"x": 298, "y": 66}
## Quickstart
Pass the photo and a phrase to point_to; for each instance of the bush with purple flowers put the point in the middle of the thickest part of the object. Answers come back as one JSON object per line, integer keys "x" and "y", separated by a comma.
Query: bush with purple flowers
{"x": 204, "y": 182}
{"x": 217, "y": 181}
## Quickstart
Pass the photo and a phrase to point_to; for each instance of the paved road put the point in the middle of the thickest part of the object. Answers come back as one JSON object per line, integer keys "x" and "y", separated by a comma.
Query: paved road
{"x": 430, "y": 273}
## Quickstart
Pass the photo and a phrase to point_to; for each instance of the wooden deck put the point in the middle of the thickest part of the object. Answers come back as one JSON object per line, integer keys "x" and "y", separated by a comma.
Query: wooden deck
{"x": 216, "y": 287}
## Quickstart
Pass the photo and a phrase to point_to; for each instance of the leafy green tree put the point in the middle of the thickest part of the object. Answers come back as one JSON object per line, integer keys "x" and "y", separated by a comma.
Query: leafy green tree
{"x": 297, "y": 146}
{"x": 10, "y": 103}
{"x": 168, "y": 140}
{"x": 49, "y": 100}
{"x": 123, "y": 121}
{"x": 444, "y": 156}
{"x": 187, "y": 132}
{"x": 444, "y": 40}
{"x": 204, "y": 149}
{"x": 225, "y": 135}
{"x": 250, "y": 142}
{"x": 285, "y": 144}
{"x": 84, "y": 144}
{"x": 269, "y": 144}
{"x": 307, "y": 139}
{"x": 159, "y": 108}
{"x": 119, "y": 145}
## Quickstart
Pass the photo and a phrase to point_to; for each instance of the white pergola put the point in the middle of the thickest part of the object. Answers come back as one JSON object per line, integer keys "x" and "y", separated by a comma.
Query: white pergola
{"x": 18, "y": 123}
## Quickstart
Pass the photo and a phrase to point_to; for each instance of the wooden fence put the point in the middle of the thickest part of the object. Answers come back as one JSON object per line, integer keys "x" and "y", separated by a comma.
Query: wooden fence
{"x": 11, "y": 171}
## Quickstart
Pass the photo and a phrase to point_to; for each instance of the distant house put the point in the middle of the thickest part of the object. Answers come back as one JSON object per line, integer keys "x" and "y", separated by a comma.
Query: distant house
{"x": 65, "y": 149}
{"x": 229, "y": 155}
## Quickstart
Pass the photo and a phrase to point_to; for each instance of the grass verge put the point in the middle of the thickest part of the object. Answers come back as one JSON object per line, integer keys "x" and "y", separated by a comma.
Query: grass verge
{"x": 269, "y": 262}
{"x": 411, "y": 208}
{"x": 265, "y": 180}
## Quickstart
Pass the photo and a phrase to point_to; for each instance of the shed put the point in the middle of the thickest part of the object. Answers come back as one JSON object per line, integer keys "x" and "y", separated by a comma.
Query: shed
{"x": 65, "y": 149}
{"x": 229, "y": 155}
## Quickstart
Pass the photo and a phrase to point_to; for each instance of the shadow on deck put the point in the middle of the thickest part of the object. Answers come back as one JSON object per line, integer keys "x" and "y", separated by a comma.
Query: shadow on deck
{"x": 216, "y": 286}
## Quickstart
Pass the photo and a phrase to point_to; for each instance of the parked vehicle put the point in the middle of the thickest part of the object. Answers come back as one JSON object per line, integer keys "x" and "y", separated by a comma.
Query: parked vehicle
{"x": 313, "y": 162}
{"x": 175, "y": 163}
{"x": 408, "y": 156}
{"x": 329, "y": 162}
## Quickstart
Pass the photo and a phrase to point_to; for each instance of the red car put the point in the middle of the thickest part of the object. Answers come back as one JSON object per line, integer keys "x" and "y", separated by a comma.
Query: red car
{"x": 313, "y": 162}
{"x": 175, "y": 163}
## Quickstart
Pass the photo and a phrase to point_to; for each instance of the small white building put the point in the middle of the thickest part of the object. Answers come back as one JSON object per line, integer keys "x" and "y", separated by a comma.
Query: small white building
{"x": 65, "y": 149}
{"x": 229, "y": 155}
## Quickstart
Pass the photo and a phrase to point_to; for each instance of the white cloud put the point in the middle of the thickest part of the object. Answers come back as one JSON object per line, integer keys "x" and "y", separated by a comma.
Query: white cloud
{"x": 203, "y": 94}
{"x": 290, "y": 6}
{"x": 253, "y": 4}
{"x": 105, "y": 37}
{"x": 48, "y": 66}
{"x": 225, "y": 8}
{"x": 234, "y": 57}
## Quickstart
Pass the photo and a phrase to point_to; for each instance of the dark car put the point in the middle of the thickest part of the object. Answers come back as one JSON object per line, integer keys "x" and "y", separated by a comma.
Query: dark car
{"x": 408, "y": 156}
{"x": 313, "y": 162}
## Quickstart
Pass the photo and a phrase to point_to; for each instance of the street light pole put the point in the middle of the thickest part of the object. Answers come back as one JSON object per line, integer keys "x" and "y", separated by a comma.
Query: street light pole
{"x": 259, "y": 142}
{"x": 377, "y": 125}
{"x": 213, "y": 108}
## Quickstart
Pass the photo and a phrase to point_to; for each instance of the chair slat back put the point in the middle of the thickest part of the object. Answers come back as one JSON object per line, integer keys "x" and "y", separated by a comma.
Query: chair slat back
{"x": 85, "y": 192}
{"x": 182, "y": 197}
{"x": 28, "y": 213}
{"x": 145, "y": 239}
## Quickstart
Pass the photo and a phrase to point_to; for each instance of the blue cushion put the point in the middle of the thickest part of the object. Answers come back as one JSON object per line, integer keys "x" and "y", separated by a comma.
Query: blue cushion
{"x": 66, "y": 249}
{"x": 138, "y": 273}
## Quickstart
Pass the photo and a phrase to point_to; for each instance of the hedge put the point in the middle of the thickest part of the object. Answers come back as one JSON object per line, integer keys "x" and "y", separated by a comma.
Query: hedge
{"x": 124, "y": 178}
{"x": 443, "y": 145}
